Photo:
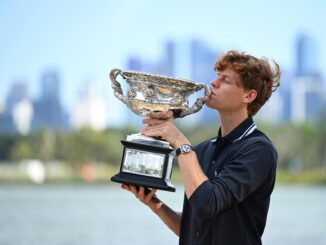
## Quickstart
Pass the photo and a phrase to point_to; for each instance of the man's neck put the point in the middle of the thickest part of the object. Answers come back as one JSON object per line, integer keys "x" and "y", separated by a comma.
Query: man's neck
{"x": 230, "y": 121}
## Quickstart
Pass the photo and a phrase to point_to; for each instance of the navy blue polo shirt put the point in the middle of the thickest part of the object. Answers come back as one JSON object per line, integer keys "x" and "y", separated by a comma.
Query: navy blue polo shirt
{"x": 230, "y": 208}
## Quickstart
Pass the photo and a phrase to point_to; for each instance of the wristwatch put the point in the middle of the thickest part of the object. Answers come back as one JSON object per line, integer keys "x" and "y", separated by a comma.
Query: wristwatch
{"x": 185, "y": 148}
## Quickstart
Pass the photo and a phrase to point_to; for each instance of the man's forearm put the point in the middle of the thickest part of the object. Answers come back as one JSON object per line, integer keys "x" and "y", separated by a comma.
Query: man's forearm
{"x": 170, "y": 218}
{"x": 191, "y": 172}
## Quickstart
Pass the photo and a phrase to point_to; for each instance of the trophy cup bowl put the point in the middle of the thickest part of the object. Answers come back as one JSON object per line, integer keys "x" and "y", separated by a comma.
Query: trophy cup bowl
{"x": 147, "y": 161}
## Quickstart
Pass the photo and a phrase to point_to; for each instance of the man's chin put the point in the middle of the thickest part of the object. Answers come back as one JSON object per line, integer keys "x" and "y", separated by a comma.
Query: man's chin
{"x": 209, "y": 105}
{"x": 212, "y": 106}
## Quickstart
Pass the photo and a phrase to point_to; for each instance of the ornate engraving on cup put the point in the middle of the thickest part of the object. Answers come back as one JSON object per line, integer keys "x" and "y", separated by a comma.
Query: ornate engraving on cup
{"x": 149, "y": 92}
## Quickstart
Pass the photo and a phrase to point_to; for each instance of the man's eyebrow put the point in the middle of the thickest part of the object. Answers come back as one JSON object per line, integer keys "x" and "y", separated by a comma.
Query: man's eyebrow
{"x": 225, "y": 75}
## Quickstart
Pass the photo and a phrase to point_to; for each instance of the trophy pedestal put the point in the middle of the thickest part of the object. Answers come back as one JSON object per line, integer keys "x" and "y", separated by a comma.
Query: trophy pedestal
{"x": 146, "y": 162}
{"x": 132, "y": 179}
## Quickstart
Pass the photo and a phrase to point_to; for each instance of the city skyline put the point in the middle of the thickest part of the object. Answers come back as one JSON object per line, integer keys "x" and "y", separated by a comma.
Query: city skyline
{"x": 84, "y": 41}
{"x": 303, "y": 99}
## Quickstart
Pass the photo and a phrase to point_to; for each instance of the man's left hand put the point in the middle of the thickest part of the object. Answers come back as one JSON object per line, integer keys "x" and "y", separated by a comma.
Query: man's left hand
{"x": 159, "y": 124}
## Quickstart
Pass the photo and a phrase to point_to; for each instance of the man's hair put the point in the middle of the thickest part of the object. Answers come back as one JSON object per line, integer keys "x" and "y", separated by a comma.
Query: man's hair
{"x": 257, "y": 74}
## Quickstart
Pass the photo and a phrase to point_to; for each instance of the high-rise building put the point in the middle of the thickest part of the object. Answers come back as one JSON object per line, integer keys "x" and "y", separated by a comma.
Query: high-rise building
{"x": 90, "y": 109}
{"x": 203, "y": 60}
{"x": 169, "y": 58}
{"x": 2, "y": 107}
{"x": 6, "y": 121}
{"x": 272, "y": 111}
{"x": 17, "y": 92}
{"x": 48, "y": 111}
{"x": 134, "y": 63}
{"x": 307, "y": 88}
{"x": 308, "y": 99}
{"x": 307, "y": 56}
{"x": 17, "y": 114}
{"x": 181, "y": 58}
{"x": 22, "y": 115}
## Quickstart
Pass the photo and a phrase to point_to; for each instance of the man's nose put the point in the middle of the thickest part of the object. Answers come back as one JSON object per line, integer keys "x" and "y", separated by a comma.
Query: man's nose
{"x": 215, "y": 82}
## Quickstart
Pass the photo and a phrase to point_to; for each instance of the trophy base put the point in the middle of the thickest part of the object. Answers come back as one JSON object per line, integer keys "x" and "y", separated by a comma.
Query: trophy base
{"x": 139, "y": 180}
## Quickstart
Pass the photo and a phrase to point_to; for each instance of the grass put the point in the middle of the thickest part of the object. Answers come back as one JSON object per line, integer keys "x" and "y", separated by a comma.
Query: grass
{"x": 101, "y": 173}
{"x": 317, "y": 176}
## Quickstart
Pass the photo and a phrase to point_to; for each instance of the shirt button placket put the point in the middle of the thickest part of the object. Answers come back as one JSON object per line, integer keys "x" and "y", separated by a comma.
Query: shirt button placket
{"x": 210, "y": 172}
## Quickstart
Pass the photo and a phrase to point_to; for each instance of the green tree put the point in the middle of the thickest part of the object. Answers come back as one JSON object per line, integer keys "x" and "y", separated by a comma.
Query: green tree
{"x": 7, "y": 142}
{"x": 22, "y": 150}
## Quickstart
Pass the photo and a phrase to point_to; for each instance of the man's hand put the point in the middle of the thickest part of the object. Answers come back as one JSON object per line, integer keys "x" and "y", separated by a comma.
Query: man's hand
{"x": 148, "y": 198}
{"x": 159, "y": 125}
{"x": 163, "y": 115}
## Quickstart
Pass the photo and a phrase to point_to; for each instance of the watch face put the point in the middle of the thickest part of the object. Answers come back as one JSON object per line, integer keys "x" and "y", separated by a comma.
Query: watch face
{"x": 186, "y": 148}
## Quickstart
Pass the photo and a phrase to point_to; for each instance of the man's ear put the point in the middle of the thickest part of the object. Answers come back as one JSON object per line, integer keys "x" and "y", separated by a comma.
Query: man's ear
{"x": 250, "y": 96}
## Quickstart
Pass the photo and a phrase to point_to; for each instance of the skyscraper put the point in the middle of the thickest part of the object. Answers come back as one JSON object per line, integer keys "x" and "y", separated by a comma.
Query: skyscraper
{"x": 307, "y": 99}
{"x": 18, "y": 91}
{"x": 48, "y": 111}
{"x": 307, "y": 56}
{"x": 17, "y": 114}
{"x": 90, "y": 110}
{"x": 307, "y": 90}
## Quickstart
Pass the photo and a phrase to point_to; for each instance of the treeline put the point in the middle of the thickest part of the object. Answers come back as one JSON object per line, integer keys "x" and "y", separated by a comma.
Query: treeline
{"x": 300, "y": 147}
{"x": 72, "y": 147}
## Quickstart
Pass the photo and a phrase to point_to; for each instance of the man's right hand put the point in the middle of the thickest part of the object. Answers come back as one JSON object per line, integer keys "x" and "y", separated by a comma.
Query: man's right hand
{"x": 148, "y": 198}
{"x": 171, "y": 218}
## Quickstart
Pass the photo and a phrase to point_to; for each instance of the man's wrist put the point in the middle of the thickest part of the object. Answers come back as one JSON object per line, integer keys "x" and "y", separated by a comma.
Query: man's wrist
{"x": 180, "y": 142}
{"x": 184, "y": 149}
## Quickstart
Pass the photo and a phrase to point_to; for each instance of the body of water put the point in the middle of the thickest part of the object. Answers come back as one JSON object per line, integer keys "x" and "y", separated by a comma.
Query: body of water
{"x": 106, "y": 214}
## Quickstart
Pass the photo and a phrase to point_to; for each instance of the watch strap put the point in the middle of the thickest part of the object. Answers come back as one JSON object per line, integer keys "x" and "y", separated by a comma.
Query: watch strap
{"x": 178, "y": 151}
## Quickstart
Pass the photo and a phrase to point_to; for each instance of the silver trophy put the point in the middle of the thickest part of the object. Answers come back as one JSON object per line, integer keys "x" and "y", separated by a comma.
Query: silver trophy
{"x": 147, "y": 161}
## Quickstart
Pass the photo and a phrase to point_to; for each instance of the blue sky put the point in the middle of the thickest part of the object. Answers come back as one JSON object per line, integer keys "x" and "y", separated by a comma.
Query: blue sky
{"x": 85, "y": 39}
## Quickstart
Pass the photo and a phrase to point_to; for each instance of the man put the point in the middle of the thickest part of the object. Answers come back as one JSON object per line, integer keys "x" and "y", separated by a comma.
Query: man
{"x": 229, "y": 179}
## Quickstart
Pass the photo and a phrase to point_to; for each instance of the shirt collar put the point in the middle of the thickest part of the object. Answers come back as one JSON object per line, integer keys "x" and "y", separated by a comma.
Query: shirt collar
{"x": 245, "y": 128}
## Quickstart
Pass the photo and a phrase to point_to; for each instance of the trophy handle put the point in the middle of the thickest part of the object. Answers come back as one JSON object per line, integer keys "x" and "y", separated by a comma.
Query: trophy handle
{"x": 199, "y": 102}
{"x": 116, "y": 86}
